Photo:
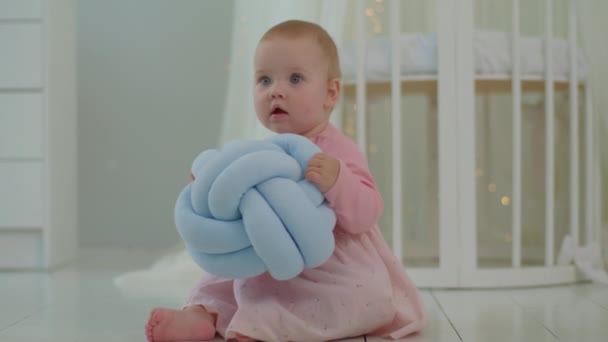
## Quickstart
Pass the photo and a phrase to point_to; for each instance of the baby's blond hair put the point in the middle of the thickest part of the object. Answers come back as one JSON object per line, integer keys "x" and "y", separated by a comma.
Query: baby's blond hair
{"x": 293, "y": 29}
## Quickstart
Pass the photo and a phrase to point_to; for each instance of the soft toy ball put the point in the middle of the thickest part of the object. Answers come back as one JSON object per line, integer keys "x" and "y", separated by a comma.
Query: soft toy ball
{"x": 250, "y": 210}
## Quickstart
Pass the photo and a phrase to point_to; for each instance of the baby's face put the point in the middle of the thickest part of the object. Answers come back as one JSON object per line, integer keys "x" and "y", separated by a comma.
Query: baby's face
{"x": 291, "y": 85}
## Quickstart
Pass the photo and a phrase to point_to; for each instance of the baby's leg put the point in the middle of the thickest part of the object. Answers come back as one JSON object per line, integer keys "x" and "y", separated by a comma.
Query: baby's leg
{"x": 192, "y": 323}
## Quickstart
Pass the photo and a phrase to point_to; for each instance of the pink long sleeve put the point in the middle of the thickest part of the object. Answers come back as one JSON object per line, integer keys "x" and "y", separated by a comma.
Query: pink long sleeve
{"x": 354, "y": 198}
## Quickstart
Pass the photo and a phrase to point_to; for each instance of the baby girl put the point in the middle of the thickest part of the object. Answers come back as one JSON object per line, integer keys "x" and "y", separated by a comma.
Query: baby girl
{"x": 362, "y": 289}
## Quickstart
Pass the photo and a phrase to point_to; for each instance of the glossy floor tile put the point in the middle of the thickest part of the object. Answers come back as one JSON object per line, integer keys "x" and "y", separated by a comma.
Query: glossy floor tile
{"x": 565, "y": 311}
{"x": 80, "y": 303}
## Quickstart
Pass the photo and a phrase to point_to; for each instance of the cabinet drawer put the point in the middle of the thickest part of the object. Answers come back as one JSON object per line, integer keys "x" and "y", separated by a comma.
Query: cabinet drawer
{"x": 20, "y": 126}
{"x": 21, "y": 249}
{"x": 21, "y": 194}
{"x": 20, "y": 9}
{"x": 21, "y": 57}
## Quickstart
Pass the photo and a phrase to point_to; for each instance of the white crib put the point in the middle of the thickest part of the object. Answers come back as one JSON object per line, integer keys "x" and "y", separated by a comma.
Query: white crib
{"x": 468, "y": 199}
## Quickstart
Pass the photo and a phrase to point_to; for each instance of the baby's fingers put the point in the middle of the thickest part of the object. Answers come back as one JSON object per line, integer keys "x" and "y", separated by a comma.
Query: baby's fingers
{"x": 316, "y": 168}
{"x": 313, "y": 175}
{"x": 317, "y": 160}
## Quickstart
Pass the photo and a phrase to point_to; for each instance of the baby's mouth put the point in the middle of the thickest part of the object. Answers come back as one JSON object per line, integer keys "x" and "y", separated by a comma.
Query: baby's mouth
{"x": 278, "y": 111}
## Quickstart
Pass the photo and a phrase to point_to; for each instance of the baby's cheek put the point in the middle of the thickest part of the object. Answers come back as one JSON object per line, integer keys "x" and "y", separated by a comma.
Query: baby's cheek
{"x": 311, "y": 108}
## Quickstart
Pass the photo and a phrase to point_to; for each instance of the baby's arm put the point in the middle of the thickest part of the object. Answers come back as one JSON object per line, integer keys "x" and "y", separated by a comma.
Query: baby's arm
{"x": 355, "y": 198}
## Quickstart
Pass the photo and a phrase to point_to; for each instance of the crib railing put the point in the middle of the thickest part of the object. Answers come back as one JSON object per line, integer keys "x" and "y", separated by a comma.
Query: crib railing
{"x": 456, "y": 90}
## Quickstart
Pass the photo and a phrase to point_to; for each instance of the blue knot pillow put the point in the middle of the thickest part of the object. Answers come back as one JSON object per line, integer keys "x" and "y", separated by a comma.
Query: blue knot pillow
{"x": 250, "y": 210}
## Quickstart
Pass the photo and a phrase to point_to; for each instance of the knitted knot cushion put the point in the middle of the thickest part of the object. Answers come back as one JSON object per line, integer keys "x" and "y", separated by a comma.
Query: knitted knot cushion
{"x": 250, "y": 210}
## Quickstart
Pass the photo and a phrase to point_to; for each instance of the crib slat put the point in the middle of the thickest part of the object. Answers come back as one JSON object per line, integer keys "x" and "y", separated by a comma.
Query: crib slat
{"x": 598, "y": 180}
{"x": 589, "y": 165}
{"x": 516, "y": 88}
{"x": 396, "y": 128}
{"x": 457, "y": 246}
{"x": 360, "y": 75}
{"x": 465, "y": 100}
{"x": 573, "y": 98}
{"x": 465, "y": 134}
{"x": 549, "y": 138}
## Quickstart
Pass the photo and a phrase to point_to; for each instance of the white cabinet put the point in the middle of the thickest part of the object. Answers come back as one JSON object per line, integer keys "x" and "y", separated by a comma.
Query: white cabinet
{"x": 20, "y": 9}
{"x": 21, "y": 61}
{"x": 21, "y": 198}
{"x": 38, "y": 207}
{"x": 21, "y": 125}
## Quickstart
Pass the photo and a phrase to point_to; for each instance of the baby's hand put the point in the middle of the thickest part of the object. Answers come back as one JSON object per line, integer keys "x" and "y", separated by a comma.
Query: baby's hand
{"x": 323, "y": 171}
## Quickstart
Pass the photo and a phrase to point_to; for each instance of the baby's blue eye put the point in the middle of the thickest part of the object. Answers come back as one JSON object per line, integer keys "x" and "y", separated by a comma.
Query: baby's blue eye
{"x": 296, "y": 79}
{"x": 265, "y": 80}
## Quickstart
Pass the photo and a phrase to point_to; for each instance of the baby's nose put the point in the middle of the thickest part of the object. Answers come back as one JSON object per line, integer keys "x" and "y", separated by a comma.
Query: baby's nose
{"x": 277, "y": 92}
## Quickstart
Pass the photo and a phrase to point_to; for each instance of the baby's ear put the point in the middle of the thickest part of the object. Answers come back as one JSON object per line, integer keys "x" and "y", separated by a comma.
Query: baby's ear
{"x": 333, "y": 92}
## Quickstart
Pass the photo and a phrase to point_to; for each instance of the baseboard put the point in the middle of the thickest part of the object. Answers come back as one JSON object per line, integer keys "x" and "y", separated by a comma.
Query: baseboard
{"x": 21, "y": 249}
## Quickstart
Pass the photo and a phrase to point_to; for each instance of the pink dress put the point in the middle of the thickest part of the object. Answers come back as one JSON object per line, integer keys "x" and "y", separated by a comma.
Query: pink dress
{"x": 361, "y": 289}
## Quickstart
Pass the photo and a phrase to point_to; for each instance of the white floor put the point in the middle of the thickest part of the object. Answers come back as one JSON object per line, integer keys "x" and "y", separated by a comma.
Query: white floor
{"x": 80, "y": 303}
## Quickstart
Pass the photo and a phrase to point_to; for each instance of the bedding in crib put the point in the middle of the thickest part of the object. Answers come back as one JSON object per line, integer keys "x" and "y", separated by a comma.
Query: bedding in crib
{"x": 491, "y": 50}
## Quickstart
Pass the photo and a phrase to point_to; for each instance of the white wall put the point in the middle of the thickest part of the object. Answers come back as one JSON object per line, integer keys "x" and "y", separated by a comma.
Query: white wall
{"x": 152, "y": 79}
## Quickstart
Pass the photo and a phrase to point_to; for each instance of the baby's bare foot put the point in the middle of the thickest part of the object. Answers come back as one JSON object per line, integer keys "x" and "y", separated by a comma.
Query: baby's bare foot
{"x": 241, "y": 338}
{"x": 167, "y": 325}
